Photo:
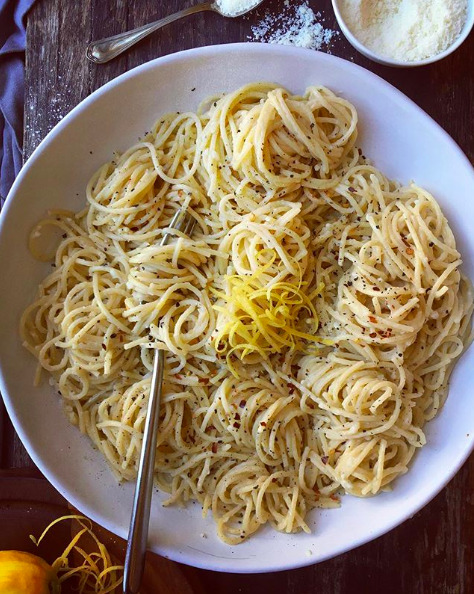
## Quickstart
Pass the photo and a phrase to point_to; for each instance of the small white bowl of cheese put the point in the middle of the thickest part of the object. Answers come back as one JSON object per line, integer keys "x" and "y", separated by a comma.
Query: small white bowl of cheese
{"x": 405, "y": 32}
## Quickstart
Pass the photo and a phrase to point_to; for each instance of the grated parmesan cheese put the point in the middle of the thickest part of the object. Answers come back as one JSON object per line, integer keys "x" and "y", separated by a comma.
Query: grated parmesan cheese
{"x": 405, "y": 30}
{"x": 295, "y": 25}
{"x": 235, "y": 7}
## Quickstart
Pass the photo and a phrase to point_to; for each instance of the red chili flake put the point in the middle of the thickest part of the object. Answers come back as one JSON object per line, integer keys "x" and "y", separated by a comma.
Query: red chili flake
{"x": 242, "y": 403}
{"x": 237, "y": 416}
{"x": 334, "y": 497}
{"x": 204, "y": 380}
{"x": 324, "y": 459}
{"x": 113, "y": 335}
{"x": 351, "y": 189}
{"x": 291, "y": 388}
{"x": 103, "y": 346}
{"x": 236, "y": 425}
{"x": 274, "y": 480}
{"x": 372, "y": 319}
{"x": 211, "y": 427}
{"x": 134, "y": 228}
{"x": 376, "y": 288}
{"x": 373, "y": 335}
{"x": 263, "y": 424}
{"x": 214, "y": 448}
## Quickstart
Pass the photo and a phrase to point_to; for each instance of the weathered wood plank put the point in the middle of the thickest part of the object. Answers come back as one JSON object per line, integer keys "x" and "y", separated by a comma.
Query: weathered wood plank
{"x": 57, "y": 73}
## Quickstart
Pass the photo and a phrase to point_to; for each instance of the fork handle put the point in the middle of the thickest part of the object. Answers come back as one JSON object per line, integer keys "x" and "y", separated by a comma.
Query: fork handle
{"x": 104, "y": 50}
{"x": 138, "y": 534}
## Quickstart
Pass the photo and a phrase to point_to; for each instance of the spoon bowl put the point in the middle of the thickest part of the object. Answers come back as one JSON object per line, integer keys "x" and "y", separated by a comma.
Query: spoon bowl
{"x": 219, "y": 6}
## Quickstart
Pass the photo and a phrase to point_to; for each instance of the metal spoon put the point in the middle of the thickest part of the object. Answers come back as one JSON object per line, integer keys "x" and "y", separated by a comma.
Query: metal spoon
{"x": 138, "y": 533}
{"x": 106, "y": 49}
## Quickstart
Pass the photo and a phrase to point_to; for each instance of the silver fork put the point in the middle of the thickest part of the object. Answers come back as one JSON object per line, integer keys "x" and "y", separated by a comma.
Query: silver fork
{"x": 138, "y": 532}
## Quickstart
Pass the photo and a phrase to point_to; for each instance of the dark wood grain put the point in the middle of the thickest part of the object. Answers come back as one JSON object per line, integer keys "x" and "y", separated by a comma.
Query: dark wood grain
{"x": 429, "y": 554}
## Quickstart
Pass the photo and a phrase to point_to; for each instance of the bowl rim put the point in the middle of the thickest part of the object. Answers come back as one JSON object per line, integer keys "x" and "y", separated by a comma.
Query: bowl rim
{"x": 202, "y": 52}
{"x": 380, "y": 59}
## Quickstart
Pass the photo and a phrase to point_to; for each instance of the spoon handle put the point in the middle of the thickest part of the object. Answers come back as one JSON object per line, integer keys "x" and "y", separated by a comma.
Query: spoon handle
{"x": 103, "y": 50}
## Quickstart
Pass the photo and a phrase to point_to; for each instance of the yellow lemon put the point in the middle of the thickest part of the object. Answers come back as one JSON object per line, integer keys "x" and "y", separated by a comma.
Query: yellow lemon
{"x": 24, "y": 573}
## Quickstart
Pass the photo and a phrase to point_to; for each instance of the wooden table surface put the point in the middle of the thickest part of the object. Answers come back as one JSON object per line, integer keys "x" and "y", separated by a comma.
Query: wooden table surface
{"x": 432, "y": 552}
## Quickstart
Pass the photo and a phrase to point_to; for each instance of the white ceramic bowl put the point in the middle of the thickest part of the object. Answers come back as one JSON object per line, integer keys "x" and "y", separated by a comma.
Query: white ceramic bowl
{"x": 368, "y": 53}
{"x": 401, "y": 139}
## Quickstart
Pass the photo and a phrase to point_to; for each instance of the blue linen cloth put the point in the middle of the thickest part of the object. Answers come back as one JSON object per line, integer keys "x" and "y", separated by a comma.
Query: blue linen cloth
{"x": 12, "y": 49}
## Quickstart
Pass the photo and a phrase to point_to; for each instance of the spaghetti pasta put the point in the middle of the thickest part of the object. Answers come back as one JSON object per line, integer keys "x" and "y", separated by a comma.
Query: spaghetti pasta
{"x": 310, "y": 324}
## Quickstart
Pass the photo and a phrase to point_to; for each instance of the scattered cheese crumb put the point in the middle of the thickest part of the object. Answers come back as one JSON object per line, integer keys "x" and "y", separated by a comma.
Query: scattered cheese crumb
{"x": 295, "y": 25}
{"x": 405, "y": 30}
{"x": 309, "y": 553}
